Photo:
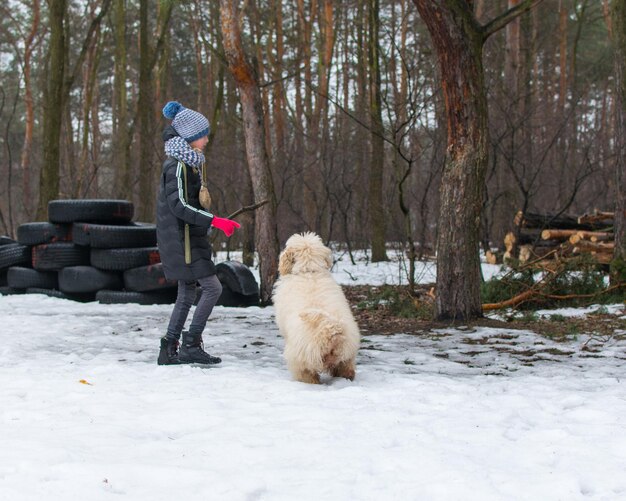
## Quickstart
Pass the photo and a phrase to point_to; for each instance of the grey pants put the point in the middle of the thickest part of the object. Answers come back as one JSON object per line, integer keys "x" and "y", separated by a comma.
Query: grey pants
{"x": 211, "y": 291}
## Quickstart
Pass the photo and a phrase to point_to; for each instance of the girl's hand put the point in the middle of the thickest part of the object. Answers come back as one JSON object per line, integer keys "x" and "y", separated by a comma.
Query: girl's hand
{"x": 228, "y": 226}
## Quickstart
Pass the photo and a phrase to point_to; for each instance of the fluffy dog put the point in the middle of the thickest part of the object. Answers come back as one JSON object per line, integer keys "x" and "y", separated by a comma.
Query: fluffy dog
{"x": 312, "y": 313}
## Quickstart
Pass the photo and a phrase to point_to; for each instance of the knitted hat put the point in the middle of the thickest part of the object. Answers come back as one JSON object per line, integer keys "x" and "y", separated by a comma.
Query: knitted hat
{"x": 189, "y": 124}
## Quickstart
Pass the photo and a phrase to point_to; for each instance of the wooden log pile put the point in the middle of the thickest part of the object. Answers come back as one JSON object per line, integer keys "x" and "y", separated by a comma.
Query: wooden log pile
{"x": 546, "y": 239}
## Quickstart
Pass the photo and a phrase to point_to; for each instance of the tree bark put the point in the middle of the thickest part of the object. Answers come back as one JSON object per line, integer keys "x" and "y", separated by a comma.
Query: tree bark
{"x": 53, "y": 108}
{"x": 618, "y": 25}
{"x": 58, "y": 90}
{"x": 29, "y": 45}
{"x": 145, "y": 103}
{"x": 121, "y": 160}
{"x": 458, "y": 39}
{"x": 377, "y": 160}
{"x": 258, "y": 163}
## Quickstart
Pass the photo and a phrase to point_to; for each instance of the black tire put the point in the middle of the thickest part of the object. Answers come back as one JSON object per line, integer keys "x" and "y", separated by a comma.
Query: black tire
{"x": 147, "y": 278}
{"x": 53, "y": 257}
{"x": 238, "y": 277}
{"x": 166, "y": 296}
{"x": 124, "y": 259}
{"x": 82, "y": 298}
{"x": 14, "y": 254}
{"x": 43, "y": 233}
{"x": 82, "y": 279}
{"x": 23, "y": 278}
{"x": 10, "y": 291}
{"x": 47, "y": 292}
{"x": 109, "y": 236}
{"x": 101, "y": 211}
{"x": 3, "y": 278}
{"x": 231, "y": 298}
{"x": 4, "y": 240}
{"x": 80, "y": 233}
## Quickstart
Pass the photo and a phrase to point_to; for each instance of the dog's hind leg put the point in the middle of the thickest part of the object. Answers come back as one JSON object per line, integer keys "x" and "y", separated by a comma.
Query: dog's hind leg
{"x": 306, "y": 376}
{"x": 344, "y": 369}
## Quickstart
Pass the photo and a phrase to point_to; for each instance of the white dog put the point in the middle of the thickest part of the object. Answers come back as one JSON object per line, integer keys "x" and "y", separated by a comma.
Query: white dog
{"x": 312, "y": 313}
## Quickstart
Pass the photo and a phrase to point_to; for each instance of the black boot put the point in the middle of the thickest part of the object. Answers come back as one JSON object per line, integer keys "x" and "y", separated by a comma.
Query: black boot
{"x": 168, "y": 355}
{"x": 191, "y": 351}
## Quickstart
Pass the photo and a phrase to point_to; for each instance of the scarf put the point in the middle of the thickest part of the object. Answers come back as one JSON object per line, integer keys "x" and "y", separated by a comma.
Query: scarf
{"x": 179, "y": 149}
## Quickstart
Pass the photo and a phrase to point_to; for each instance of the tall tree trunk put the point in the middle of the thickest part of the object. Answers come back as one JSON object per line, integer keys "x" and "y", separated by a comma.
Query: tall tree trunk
{"x": 53, "y": 108}
{"x": 90, "y": 72}
{"x": 458, "y": 39}
{"x": 312, "y": 159}
{"x": 258, "y": 163}
{"x": 278, "y": 100}
{"x": 29, "y": 45}
{"x": 145, "y": 102}
{"x": 121, "y": 160}
{"x": 618, "y": 25}
{"x": 60, "y": 81}
{"x": 377, "y": 160}
{"x": 563, "y": 16}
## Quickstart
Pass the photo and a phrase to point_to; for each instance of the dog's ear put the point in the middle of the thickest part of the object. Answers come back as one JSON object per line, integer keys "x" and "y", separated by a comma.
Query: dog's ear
{"x": 286, "y": 261}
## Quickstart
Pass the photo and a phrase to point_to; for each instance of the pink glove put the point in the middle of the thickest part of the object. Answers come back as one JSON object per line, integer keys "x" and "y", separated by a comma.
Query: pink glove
{"x": 226, "y": 225}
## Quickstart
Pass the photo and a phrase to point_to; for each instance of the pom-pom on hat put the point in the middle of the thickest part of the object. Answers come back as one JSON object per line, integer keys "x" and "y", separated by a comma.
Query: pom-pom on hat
{"x": 189, "y": 124}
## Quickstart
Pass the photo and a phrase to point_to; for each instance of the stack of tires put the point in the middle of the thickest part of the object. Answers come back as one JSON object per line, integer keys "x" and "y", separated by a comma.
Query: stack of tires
{"x": 91, "y": 250}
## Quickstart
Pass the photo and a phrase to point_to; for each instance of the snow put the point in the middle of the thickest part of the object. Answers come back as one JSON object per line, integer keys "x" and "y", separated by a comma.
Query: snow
{"x": 458, "y": 413}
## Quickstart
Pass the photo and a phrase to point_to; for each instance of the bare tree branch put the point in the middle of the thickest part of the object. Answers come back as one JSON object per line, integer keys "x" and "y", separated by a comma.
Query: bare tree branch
{"x": 506, "y": 17}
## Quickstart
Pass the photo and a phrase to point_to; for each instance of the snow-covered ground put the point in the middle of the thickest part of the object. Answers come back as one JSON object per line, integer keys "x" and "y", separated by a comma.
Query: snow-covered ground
{"x": 455, "y": 414}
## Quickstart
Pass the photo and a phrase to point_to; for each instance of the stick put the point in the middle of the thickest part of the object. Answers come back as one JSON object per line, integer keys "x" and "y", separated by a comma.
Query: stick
{"x": 247, "y": 209}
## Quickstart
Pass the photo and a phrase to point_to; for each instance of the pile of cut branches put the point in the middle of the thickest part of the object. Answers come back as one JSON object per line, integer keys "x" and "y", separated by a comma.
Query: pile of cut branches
{"x": 576, "y": 281}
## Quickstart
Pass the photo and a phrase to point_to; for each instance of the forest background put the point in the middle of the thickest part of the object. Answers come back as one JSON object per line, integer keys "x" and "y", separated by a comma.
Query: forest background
{"x": 353, "y": 110}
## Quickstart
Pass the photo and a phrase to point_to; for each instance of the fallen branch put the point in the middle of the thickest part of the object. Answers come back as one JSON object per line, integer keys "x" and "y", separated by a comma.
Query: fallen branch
{"x": 520, "y": 298}
{"x": 514, "y": 301}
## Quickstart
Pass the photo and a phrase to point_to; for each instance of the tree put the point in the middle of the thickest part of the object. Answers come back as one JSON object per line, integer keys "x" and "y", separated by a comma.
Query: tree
{"x": 258, "y": 162}
{"x": 57, "y": 94}
{"x": 458, "y": 38}
{"x": 377, "y": 160}
{"x": 145, "y": 108}
{"x": 618, "y": 25}
{"x": 123, "y": 187}
{"x": 30, "y": 43}
{"x": 53, "y": 108}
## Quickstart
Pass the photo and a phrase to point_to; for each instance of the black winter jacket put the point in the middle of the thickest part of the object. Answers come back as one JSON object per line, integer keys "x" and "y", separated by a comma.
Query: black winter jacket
{"x": 174, "y": 211}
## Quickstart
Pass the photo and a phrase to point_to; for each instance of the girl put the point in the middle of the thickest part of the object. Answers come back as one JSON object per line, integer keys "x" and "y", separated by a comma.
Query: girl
{"x": 182, "y": 226}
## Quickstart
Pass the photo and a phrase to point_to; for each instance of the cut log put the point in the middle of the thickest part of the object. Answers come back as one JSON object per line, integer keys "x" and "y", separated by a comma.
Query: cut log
{"x": 585, "y": 245}
{"x": 592, "y": 236}
{"x": 529, "y": 252}
{"x": 491, "y": 257}
{"x": 546, "y": 220}
{"x": 549, "y": 220}
{"x": 598, "y": 217}
{"x": 525, "y": 236}
{"x": 525, "y": 253}
{"x": 529, "y": 236}
{"x": 509, "y": 241}
{"x": 566, "y": 234}
{"x": 557, "y": 234}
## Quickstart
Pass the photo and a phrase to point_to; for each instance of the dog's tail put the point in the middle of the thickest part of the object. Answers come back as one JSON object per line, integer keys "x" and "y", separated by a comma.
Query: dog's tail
{"x": 328, "y": 335}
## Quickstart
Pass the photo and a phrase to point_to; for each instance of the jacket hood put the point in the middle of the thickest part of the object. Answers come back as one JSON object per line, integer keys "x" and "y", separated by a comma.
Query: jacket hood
{"x": 168, "y": 133}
